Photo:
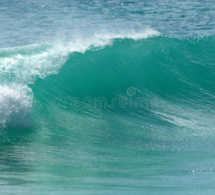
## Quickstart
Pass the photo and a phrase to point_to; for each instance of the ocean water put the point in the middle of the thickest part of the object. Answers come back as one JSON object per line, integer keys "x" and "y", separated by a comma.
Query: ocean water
{"x": 107, "y": 97}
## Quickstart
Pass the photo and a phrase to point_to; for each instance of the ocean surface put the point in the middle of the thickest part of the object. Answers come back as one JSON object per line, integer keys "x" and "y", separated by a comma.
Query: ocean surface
{"x": 107, "y": 97}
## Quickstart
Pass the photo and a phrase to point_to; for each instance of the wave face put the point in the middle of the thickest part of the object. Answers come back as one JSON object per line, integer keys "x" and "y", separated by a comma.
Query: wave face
{"x": 21, "y": 66}
{"x": 92, "y": 104}
{"x": 174, "y": 78}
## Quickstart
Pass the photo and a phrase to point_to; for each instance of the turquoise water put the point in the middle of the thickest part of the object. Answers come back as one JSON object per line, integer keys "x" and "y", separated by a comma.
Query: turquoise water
{"x": 107, "y": 97}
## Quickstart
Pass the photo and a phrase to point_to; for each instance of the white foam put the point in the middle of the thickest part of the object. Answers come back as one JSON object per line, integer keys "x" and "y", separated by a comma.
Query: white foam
{"x": 15, "y": 105}
{"x": 131, "y": 34}
{"x": 24, "y": 67}
{"x": 25, "y": 64}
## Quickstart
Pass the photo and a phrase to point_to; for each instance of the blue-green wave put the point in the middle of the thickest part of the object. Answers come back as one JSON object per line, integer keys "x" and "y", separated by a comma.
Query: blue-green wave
{"x": 174, "y": 78}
